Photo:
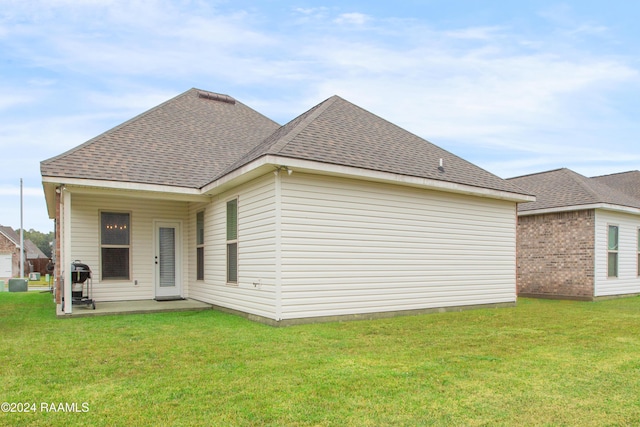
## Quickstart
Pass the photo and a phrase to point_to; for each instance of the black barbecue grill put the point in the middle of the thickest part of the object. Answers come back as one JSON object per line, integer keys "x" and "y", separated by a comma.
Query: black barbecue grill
{"x": 80, "y": 272}
{"x": 81, "y": 284}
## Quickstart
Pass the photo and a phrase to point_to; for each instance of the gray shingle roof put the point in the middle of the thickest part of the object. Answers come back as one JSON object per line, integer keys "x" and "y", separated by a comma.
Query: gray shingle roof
{"x": 563, "y": 188}
{"x": 184, "y": 142}
{"x": 11, "y": 234}
{"x": 198, "y": 137}
{"x": 32, "y": 250}
{"x": 627, "y": 182}
{"x": 341, "y": 133}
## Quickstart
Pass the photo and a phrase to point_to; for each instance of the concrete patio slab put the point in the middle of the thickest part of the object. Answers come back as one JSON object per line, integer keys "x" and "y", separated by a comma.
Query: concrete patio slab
{"x": 133, "y": 307}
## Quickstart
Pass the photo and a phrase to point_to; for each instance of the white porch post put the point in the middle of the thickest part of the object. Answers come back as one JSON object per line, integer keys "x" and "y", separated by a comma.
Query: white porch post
{"x": 278, "y": 245}
{"x": 66, "y": 250}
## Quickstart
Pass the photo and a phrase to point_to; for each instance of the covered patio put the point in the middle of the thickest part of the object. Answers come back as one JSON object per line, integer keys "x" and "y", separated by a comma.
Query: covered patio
{"x": 133, "y": 307}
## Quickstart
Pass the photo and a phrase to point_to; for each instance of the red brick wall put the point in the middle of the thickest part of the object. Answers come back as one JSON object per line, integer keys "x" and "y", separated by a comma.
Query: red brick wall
{"x": 555, "y": 255}
{"x": 8, "y": 247}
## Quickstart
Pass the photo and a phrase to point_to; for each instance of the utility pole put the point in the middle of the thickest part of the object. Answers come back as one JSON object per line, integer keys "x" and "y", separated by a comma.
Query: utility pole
{"x": 21, "y": 234}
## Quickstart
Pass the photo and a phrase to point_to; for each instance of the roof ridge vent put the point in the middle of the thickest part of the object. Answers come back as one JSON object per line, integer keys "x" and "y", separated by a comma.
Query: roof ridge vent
{"x": 216, "y": 97}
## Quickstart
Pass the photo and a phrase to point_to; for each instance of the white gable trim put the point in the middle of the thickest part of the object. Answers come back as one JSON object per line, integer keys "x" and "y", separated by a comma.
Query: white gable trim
{"x": 261, "y": 165}
{"x": 118, "y": 188}
{"x": 86, "y": 184}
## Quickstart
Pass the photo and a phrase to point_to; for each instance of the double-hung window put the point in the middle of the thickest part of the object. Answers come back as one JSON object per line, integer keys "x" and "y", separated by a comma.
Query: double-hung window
{"x": 232, "y": 241}
{"x": 612, "y": 251}
{"x": 115, "y": 245}
{"x": 638, "y": 252}
{"x": 200, "y": 245}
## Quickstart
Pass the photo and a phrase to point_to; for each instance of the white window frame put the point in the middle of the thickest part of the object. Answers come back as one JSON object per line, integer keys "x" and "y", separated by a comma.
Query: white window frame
{"x": 200, "y": 245}
{"x": 231, "y": 241}
{"x": 638, "y": 257}
{"x": 611, "y": 251}
{"x": 108, "y": 246}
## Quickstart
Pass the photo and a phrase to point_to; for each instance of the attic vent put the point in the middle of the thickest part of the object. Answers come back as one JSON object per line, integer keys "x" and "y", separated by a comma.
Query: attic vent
{"x": 216, "y": 97}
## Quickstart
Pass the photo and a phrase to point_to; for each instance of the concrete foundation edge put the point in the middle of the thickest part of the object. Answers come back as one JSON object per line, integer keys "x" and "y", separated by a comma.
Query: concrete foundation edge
{"x": 362, "y": 316}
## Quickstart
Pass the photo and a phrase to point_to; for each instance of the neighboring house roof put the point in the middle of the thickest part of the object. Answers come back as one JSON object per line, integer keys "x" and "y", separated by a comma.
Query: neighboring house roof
{"x": 627, "y": 182}
{"x": 341, "y": 133}
{"x": 32, "y": 250}
{"x": 10, "y": 234}
{"x": 199, "y": 137}
{"x": 184, "y": 142}
{"x": 562, "y": 188}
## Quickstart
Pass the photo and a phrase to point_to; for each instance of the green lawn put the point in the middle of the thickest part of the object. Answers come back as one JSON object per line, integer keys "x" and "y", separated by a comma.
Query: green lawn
{"x": 541, "y": 363}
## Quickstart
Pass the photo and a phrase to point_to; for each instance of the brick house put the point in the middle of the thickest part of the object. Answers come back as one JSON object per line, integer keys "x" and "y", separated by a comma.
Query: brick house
{"x": 9, "y": 253}
{"x": 580, "y": 239}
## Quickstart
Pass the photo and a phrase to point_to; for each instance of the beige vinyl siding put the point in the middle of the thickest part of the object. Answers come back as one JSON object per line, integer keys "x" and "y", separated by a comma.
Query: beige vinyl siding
{"x": 353, "y": 247}
{"x": 627, "y": 281}
{"x": 85, "y": 241}
{"x": 255, "y": 291}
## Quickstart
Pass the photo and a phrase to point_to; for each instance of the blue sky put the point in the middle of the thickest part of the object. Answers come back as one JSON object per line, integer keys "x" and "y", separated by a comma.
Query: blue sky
{"x": 513, "y": 86}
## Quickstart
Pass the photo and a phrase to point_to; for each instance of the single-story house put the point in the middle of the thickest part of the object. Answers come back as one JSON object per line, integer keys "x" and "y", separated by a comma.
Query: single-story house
{"x": 580, "y": 239}
{"x": 336, "y": 214}
{"x": 9, "y": 253}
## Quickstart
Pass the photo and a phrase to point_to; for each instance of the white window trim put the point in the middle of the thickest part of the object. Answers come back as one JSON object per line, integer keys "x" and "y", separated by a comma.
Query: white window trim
{"x": 617, "y": 251}
{"x": 129, "y": 246}
{"x": 200, "y": 245}
{"x": 638, "y": 248}
{"x": 231, "y": 242}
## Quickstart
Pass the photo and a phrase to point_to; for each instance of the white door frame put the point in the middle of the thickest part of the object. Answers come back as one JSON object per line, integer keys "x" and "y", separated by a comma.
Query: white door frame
{"x": 177, "y": 290}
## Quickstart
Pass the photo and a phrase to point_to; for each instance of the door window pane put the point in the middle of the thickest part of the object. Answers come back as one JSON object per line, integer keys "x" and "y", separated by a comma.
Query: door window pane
{"x": 167, "y": 257}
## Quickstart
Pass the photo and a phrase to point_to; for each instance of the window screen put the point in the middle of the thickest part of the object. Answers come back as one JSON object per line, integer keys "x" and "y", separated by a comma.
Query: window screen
{"x": 115, "y": 232}
{"x": 612, "y": 255}
{"x": 200, "y": 246}
{"x": 232, "y": 241}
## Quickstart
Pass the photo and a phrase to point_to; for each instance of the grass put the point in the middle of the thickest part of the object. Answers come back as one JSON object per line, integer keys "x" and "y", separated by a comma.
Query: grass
{"x": 541, "y": 363}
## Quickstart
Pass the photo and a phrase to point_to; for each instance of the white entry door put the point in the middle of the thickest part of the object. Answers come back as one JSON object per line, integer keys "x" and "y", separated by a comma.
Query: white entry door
{"x": 168, "y": 260}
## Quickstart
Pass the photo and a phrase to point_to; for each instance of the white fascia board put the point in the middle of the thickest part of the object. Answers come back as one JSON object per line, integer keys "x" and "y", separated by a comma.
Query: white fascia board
{"x": 310, "y": 166}
{"x": 603, "y": 206}
{"x": 142, "y": 190}
{"x": 269, "y": 162}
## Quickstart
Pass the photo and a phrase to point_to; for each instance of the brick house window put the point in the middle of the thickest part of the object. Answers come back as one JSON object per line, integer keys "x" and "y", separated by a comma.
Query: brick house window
{"x": 612, "y": 254}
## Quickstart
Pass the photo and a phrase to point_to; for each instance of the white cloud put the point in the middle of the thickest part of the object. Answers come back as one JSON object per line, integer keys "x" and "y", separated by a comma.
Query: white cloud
{"x": 8, "y": 100}
{"x": 489, "y": 87}
{"x": 352, "y": 19}
{"x": 475, "y": 33}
